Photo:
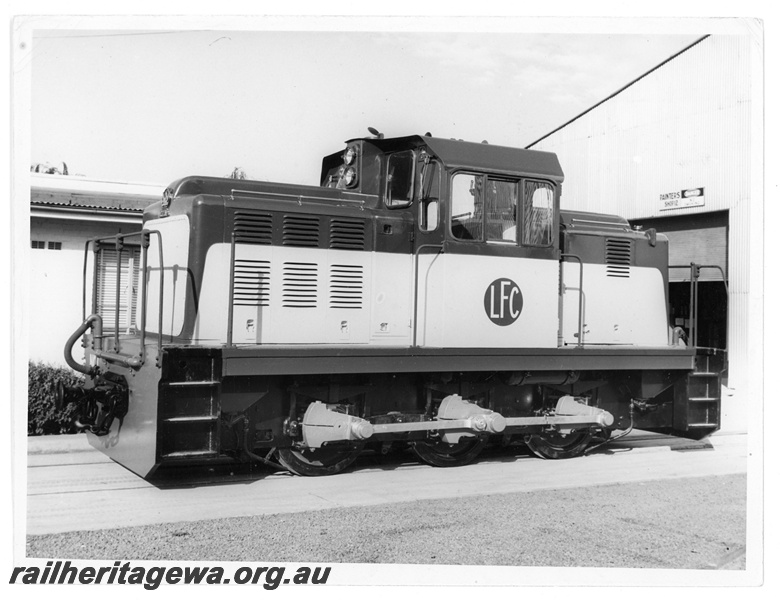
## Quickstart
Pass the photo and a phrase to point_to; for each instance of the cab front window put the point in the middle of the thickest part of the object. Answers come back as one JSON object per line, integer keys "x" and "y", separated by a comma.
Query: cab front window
{"x": 400, "y": 179}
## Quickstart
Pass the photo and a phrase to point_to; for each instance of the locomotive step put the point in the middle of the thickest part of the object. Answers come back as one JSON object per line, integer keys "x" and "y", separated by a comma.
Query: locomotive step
{"x": 190, "y": 383}
{"x": 191, "y": 454}
{"x": 191, "y": 419}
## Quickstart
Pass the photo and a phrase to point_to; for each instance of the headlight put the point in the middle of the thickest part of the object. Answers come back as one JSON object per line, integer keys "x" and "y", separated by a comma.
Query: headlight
{"x": 350, "y": 176}
{"x": 349, "y": 155}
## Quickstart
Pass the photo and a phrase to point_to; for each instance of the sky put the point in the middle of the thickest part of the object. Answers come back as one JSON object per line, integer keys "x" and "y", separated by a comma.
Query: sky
{"x": 152, "y": 106}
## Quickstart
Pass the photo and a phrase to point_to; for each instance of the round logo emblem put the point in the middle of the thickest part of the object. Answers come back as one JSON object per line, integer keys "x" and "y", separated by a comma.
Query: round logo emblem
{"x": 503, "y": 302}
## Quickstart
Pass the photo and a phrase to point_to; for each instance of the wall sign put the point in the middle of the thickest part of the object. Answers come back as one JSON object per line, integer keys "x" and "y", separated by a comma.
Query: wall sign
{"x": 682, "y": 199}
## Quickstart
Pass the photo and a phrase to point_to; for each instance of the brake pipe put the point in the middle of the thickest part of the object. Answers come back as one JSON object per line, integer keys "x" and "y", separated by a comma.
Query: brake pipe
{"x": 95, "y": 322}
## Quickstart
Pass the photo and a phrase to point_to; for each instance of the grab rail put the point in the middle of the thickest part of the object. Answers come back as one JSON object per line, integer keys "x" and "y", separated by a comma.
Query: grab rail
{"x": 580, "y": 294}
{"x": 440, "y": 248}
{"x": 231, "y": 283}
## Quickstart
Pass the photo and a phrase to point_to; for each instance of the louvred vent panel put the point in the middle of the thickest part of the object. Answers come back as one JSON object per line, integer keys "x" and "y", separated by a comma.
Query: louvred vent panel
{"x": 299, "y": 285}
{"x": 252, "y": 227}
{"x": 618, "y": 257}
{"x": 346, "y": 286}
{"x": 301, "y": 230}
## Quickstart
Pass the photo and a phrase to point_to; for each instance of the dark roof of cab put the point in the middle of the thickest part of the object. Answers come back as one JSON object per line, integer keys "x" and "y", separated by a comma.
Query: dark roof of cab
{"x": 485, "y": 157}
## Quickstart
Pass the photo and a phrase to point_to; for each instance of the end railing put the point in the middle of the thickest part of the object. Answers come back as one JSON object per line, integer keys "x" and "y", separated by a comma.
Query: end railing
{"x": 99, "y": 334}
{"x": 693, "y": 312}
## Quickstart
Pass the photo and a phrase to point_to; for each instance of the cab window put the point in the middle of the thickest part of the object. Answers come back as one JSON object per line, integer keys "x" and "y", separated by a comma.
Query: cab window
{"x": 537, "y": 214}
{"x": 501, "y": 210}
{"x": 400, "y": 179}
{"x": 429, "y": 195}
{"x": 466, "y": 209}
{"x": 497, "y": 210}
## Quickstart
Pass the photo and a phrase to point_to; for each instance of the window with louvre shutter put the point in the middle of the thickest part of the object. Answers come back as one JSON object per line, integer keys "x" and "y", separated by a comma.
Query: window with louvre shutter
{"x": 126, "y": 279}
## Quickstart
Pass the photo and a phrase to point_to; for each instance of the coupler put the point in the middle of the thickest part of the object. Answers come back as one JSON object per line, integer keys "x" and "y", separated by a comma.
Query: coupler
{"x": 97, "y": 407}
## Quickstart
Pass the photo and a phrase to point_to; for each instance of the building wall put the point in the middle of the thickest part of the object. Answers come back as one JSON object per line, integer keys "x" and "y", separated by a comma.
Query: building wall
{"x": 691, "y": 123}
{"x": 55, "y": 300}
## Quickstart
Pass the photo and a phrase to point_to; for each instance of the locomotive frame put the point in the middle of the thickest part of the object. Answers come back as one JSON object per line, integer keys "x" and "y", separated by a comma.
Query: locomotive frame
{"x": 299, "y": 326}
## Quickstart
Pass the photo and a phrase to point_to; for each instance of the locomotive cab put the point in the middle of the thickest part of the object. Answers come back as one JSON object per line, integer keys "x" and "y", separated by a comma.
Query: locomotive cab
{"x": 481, "y": 222}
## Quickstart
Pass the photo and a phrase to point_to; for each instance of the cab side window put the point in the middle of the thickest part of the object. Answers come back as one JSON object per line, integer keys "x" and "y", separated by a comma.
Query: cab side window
{"x": 537, "y": 214}
{"x": 501, "y": 210}
{"x": 493, "y": 209}
{"x": 467, "y": 200}
{"x": 429, "y": 187}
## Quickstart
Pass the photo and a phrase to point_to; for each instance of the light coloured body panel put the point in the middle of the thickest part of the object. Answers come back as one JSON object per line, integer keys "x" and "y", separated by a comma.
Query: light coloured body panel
{"x": 392, "y": 294}
{"x": 616, "y": 310}
{"x": 305, "y": 296}
{"x": 455, "y": 302}
{"x": 333, "y": 297}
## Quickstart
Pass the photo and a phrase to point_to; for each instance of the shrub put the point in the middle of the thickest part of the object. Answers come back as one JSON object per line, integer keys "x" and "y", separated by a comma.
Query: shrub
{"x": 42, "y": 416}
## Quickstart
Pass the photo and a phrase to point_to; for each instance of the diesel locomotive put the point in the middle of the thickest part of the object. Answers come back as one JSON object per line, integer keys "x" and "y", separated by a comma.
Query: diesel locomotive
{"x": 430, "y": 293}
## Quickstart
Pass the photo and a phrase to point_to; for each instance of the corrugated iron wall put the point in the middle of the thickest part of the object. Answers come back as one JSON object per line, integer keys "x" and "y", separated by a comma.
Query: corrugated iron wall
{"x": 685, "y": 125}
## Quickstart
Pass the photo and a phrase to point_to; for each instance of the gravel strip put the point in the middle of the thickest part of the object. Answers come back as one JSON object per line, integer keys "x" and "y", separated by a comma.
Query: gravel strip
{"x": 695, "y": 523}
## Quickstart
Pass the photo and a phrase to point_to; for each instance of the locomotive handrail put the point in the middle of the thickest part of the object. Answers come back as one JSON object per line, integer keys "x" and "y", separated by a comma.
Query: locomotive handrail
{"x": 144, "y": 264}
{"x": 231, "y": 279}
{"x": 693, "y": 311}
{"x": 134, "y": 362}
{"x": 300, "y": 197}
{"x": 579, "y": 296}
{"x": 440, "y": 248}
{"x": 119, "y": 248}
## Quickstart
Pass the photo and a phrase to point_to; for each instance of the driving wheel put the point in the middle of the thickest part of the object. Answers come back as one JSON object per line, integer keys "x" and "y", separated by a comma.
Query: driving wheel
{"x": 441, "y": 454}
{"x": 312, "y": 462}
{"x": 555, "y": 444}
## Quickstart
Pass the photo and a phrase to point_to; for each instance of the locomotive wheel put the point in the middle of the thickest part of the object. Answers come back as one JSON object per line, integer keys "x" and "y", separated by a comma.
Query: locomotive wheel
{"x": 312, "y": 462}
{"x": 441, "y": 454}
{"x": 559, "y": 445}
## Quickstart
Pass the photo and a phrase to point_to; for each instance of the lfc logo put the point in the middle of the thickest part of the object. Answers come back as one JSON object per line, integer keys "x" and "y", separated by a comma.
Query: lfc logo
{"x": 503, "y": 302}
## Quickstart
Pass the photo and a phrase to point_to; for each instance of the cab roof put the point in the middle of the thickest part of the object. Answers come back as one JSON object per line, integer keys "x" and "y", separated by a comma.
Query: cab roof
{"x": 457, "y": 154}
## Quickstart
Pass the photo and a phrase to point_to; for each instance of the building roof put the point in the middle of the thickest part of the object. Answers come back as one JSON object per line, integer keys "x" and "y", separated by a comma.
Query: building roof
{"x": 62, "y": 192}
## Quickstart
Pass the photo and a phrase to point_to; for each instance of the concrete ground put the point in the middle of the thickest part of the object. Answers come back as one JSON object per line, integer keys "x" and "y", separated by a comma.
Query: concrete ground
{"x": 647, "y": 501}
